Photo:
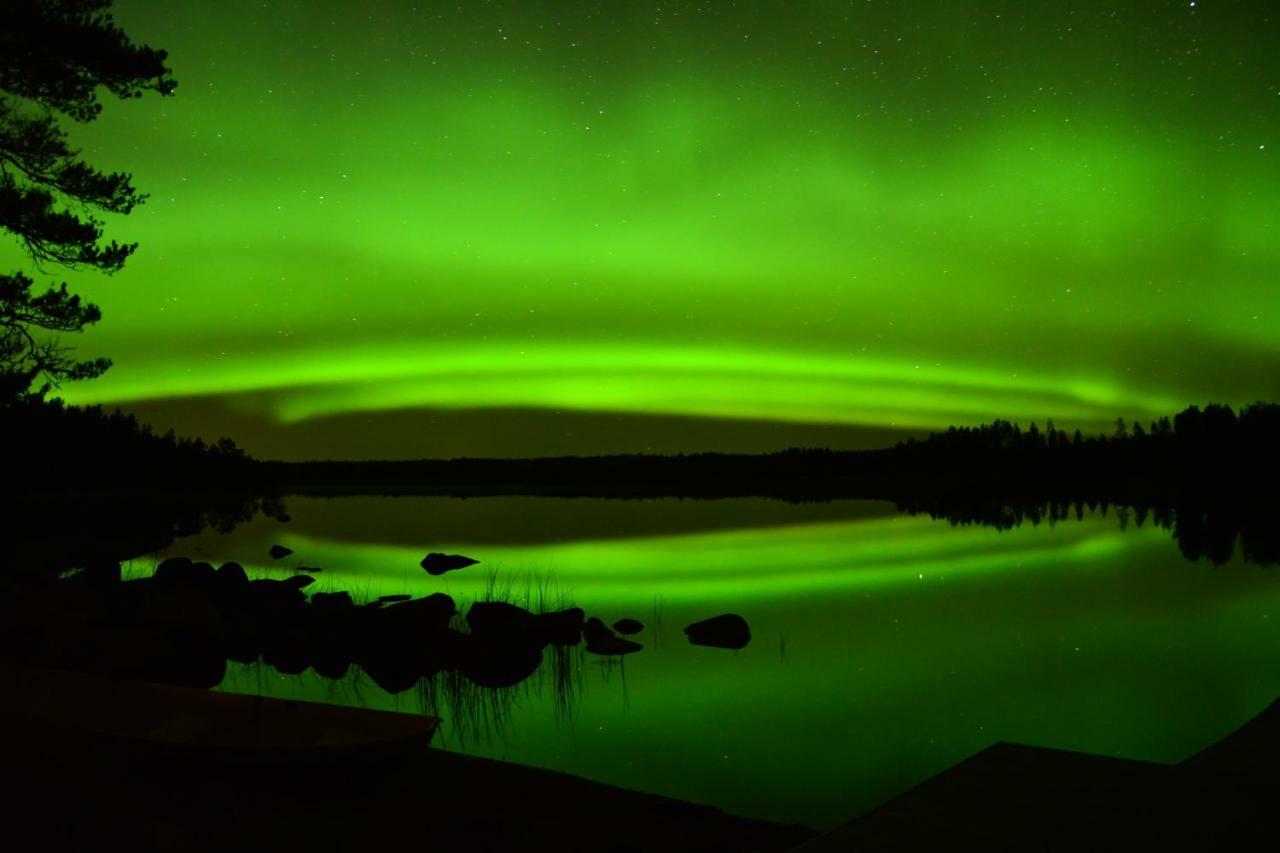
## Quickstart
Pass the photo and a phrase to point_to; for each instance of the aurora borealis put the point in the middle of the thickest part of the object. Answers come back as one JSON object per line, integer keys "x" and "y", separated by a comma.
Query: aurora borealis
{"x": 786, "y": 223}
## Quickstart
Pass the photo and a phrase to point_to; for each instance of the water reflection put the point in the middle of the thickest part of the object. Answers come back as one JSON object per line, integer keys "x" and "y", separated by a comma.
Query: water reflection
{"x": 1202, "y": 528}
{"x": 885, "y": 646}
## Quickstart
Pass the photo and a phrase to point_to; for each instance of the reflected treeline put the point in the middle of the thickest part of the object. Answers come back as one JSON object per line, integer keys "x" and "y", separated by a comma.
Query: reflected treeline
{"x": 51, "y": 533}
{"x": 1207, "y": 476}
{"x": 1215, "y": 531}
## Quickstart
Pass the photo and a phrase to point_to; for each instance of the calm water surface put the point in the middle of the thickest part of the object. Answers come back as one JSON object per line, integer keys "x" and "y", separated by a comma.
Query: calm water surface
{"x": 885, "y": 647}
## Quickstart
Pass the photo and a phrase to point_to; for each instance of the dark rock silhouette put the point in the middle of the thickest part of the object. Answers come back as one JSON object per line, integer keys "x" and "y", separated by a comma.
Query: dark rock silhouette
{"x": 279, "y": 552}
{"x": 390, "y": 599}
{"x": 173, "y": 567}
{"x": 562, "y": 627}
{"x": 726, "y": 631}
{"x": 628, "y": 626}
{"x": 232, "y": 573}
{"x": 602, "y": 641}
{"x": 498, "y": 618}
{"x": 330, "y": 602}
{"x": 434, "y": 610}
{"x": 312, "y": 569}
{"x": 490, "y": 662}
{"x": 438, "y": 564}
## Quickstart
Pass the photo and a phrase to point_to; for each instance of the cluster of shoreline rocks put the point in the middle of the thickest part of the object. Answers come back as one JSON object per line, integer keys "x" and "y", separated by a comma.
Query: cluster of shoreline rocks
{"x": 182, "y": 625}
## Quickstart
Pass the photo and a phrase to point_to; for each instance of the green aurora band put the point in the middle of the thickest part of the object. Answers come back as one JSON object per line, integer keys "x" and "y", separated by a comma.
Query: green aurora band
{"x": 869, "y": 214}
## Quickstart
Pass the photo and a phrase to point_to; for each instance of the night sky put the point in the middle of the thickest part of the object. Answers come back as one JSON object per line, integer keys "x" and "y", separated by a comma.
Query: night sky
{"x": 405, "y": 229}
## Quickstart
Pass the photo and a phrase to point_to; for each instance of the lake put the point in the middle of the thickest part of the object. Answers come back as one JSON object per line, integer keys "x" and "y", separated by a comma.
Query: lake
{"x": 885, "y": 647}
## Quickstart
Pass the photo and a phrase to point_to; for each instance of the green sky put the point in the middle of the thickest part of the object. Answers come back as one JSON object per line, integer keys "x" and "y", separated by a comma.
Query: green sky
{"x": 390, "y": 228}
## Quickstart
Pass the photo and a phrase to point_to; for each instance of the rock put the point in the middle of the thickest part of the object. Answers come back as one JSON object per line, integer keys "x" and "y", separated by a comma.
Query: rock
{"x": 434, "y": 611}
{"x": 490, "y": 661}
{"x": 173, "y": 567}
{"x": 298, "y": 581}
{"x": 726, "y": 631}
{"x": 497, "y": 618}
{"x": 312, "y": 569}
{"x": 269, "y": 595}
{"x": 391, "y": 675}
{"x": 602, "y": 641}
{"x": 438, "y": 564}
{"x": 287, "y": 658}
{"x": 393, "y": 598}
{"x": 232, "y": 574}
{"x": 330, "y": 602}
{"x": 561, "y": 627}
{"x": 593, "y": 628}
{"x": 188, "y": 608}
{"x": 628, "y": 626}
{"x": 279, "y": 552}
{"x": 230, "y": 585}
{"x": 179, "y": 571}
{"x": 611, "y": 646}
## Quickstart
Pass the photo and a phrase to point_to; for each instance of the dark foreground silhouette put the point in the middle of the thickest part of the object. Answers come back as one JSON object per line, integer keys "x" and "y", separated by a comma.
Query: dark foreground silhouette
{"x": 73, "y": 783}
{"x": 1015, "y": 797}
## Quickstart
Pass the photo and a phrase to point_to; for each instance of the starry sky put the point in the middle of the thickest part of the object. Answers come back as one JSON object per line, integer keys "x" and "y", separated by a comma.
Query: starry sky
{"x": 387, "y": 229}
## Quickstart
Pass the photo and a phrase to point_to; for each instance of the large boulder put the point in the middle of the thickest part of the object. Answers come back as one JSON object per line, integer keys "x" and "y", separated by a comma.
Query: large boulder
{"x": 188, "y": 608}
{"x": 489, "y": 661}
{"x": 232, "y": 574}
{"x": 180, "y": 571}
{"x": 172, "y": 566}
{"x": 268, "y": 598}
{"x": 628, "y": 626}
{"x": 432, "y": 612}
{"x": 438, "y": 564}
{"x": 726, "y": 631}
{"x": 332, "y": 602}
{"x": 561, "y": 627}
{"x": 500, "y": 619}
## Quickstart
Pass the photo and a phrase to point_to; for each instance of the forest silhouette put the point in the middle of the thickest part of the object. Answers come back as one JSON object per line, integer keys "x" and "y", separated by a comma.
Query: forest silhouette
{"x": 1204, "y": 474}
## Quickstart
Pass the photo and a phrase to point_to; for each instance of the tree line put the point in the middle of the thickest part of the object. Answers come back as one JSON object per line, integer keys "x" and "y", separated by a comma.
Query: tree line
{"x": 1213, "y": 443}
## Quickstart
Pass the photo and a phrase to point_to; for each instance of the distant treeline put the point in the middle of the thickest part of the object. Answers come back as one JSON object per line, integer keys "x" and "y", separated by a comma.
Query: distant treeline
{"x": 51, "y": 447}
{"x": 1195, "y": 450}
{"x": 1197, "y": 445}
